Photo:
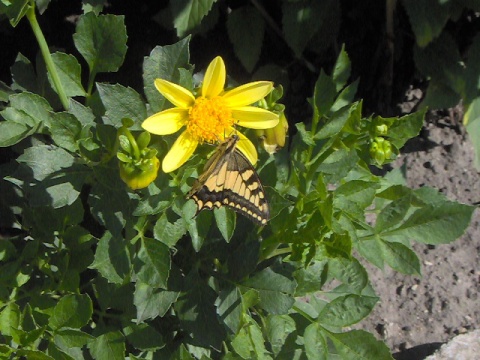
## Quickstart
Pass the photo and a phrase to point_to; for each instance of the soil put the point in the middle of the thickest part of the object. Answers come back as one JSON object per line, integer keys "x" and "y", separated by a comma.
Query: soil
{"x": 416, "y": 315}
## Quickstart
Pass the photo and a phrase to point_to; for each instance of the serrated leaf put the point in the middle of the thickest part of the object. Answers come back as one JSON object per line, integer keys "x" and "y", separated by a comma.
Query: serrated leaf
{"x": 305, "y": 134}
{"x": 247, "y": 40}
{"x": 110, "y": 346}
{"x": 112, "y": 259}
{"x": 359, "y": 345}
{"x": 69, "y": 72}
{"x": 153, "y": 265}
{"x": 45, "y": 160}
{"x": 72, "y": 311}
{"x": 405, "y": 128}
{"x": 121, "y": 102}
{"x": 151, "y": 302}
{"x": 400, "y": 258}
{"x": 167, "y": 232}
{"x": 82, "y": 113}
{"x": 28, "y": 109}
{"x": 66, "y": 338}
{"x": 163, "y": 63}
{"x": 311, "y": 278}
{"x": 187, "y": 14}
{"x": 350, "y": 272}
{"x": 9, "y": 318}
{"x": 334, "y": 125}
{"x": 102, "y": 41}
{"x": 65, "y": 130}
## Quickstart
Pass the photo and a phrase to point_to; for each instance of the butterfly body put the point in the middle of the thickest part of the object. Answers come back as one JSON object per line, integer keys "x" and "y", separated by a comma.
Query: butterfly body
{"x": 229, "y": 179}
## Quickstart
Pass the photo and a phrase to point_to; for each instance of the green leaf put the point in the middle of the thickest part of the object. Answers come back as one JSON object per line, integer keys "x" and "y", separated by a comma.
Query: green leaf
{"x": 226, "y": 221}
{"x": 278, "y": 329}
{"x": 305, "y": 134}
{"x": 65, "y": 129}
{"x": 350, "y": 272}
{"x": 341, "y": 70}
{"x": 102, "y": 41}
{"x": 249, "y": 342}
{"x": 311, "y": 278}
{"x": 151, "y": 302}
{"x": 121, "y": 102}
{"x": 153, "y": 263}
{"x": 393, "y": 214}
{"x": 69, "y": 72}
{"x": 400, "y": 258}
{"x": 472, "y": 121}
{"x": 33, "y": 354}
{"x": 346, "y": 96}
{"x": 12, "y": 133}
{"x": 405, "y": 128}
{"x": 198, "y": 315}
{"x": 67, "y": 338}
{"x": 427, "y": 18}
{"x": 82, "y": 113}
{"x": 9, "y": 318}
{"x": 109, "y": 346}
{"x": 301, "y": 20}
{"x": 167, "y": 232}
{"x": 144, "y": 337}
{"x": 59, "y": 179}
{"x": 15, "y": 10}
{"x": 188, "y": 14}
{"x": 112, "y": 259}
{"x": 315, "y": 343}
{"x": 275, "y": 289}
{"x": 229, "y": 307}
{"x": 371, "y": 250}
{"x": 163, "y": 63}
{"x": 334, "y": 125}
{"x": 324, "y": 94}
{"x": 346, "y": 310}
{"x": 28, "y": 109}
{"x": 359, "y": 345}
{"x": 247, "y": 40}
{"x": 71, "y": 311}
{"x": 439, "y": 224}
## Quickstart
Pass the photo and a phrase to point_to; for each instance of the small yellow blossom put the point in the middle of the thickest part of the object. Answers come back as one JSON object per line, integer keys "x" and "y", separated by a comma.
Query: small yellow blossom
{"x": 211, "y": 116}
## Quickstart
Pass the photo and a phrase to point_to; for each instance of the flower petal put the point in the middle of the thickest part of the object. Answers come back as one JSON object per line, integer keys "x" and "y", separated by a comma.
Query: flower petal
{"x": 247, "y": 94}
{"x": 179, "y": 153}
{"x": 246, "y": 147}
{"x": 166, "y": 122}
{"x": 214, "y": 79}
{"x": 254, "y": 118}
{"x": 176, "y": 94}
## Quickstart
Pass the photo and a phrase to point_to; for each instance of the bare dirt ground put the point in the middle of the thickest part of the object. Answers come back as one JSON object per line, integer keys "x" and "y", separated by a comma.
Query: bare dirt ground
{"x": 416, "y": 315}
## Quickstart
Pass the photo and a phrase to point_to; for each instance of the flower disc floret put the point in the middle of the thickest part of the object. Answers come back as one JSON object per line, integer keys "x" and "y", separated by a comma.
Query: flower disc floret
{"x": 208, "y": 118}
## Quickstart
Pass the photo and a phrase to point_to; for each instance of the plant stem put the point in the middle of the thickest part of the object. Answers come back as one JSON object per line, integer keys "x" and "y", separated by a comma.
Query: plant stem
{"x": 47, "y": 57}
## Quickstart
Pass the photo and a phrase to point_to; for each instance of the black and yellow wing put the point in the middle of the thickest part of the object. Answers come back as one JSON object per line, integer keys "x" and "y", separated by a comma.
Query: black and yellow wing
{"x": 229, "y": 179}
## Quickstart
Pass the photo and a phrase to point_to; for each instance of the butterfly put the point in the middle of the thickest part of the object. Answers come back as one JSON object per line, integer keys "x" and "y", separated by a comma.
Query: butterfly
{"x": 229, "y": 179}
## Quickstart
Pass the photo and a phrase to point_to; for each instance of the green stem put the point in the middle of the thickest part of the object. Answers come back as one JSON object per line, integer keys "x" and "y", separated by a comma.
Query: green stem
{"x": 47, "y": 57}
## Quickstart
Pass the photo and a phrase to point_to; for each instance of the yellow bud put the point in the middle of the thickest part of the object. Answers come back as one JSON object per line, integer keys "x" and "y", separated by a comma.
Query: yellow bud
{"x": 274, "y": 138}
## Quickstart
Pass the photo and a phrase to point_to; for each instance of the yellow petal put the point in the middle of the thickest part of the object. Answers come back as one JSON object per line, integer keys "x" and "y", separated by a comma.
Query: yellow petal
{"x": 254, "y": 118}
{"x": 247, "y": 94}
{"x": 247, "y": 148}
{"x": 166, "y": 122}
{"x": 176, "y": 94}
{"x": 179, "y": 153}
{"x": 214, "y": 79}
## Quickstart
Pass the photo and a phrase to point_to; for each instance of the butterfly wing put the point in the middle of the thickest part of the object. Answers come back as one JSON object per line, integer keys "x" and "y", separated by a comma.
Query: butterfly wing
{"x": 229, "y": 179}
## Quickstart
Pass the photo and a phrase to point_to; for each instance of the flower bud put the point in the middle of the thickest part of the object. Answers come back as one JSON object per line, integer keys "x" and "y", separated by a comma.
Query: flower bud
{"x": 274, "y": 138}
{"x": 380, "y": 150}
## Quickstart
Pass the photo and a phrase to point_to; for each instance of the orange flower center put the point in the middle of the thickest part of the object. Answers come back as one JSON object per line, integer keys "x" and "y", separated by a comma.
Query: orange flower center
{"x": 209, "y": 119}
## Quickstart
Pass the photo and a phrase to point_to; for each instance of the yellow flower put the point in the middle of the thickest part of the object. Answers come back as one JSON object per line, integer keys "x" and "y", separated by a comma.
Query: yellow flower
{"x": 211, "y": 116}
